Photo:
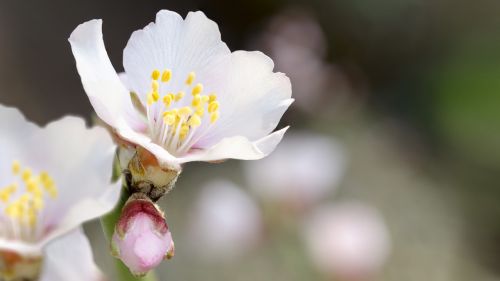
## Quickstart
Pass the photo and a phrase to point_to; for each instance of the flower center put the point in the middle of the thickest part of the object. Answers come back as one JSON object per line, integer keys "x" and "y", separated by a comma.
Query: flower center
{"x": 23, "y": 207}
{"x": 176, "y": 123}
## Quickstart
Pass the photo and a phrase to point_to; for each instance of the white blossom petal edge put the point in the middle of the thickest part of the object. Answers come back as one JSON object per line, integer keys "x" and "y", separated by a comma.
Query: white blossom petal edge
{"x": 70, "y": 258}
{"x": 52, "y": 179}
{"x": 184, "y": 95}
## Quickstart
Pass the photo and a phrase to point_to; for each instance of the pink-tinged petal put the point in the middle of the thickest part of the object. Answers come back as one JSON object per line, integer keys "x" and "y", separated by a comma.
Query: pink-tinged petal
{"x": 237, "y": 148}
{"x": 348, "y": 241}
{"x": 109, "y": 97}
{"x": 302, "y": 170}
{"x": 142, "y": 238}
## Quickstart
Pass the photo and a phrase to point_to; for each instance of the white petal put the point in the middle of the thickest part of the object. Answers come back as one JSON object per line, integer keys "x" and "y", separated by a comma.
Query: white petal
{"x": 252, "y": 100}
{"x": 109, "y": 97}
{"x": 193, "y": 44}
{"x": 14, "y": 131}
{"x": 80, "y": 162}
{"x": 69, "y": 258}
{"x": 237, "y": 148}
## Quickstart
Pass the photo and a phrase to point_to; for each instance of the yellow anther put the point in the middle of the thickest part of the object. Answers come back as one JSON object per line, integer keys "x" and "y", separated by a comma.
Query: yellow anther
{"x": 205, "y": 98}
{"x": 156, "y": 96}
{"x": 155, "y": 75}
{"x": 185, "y": 111}
{"x": 212, "y": 98}
{"x": 4, "y": 196}
{"x": 167, "y": 74}
{"x": 150, "y": 99}
{"x": 44, "y": 177}
{"x": 214, "y": 117}
{"x": 194, "y": 121}
{"x": 26, "y": 175}
{"x": 179, "y": 96}
{"x": 200, "y": 111}
{"x": 14, "y": 210}
{"x": 184, "y": 131}
{"x": 38, "y": 203}
{"x": 155, "y": 86}
{"x": 167, "y": 100}
{"x": 24, "y": 199}
{"x": 190, "y": 78}
{"x": 197, "y": 89}
{"x": 196, "y": 101}
{"x": 169, "y": 117}
{"x": 32, "y": 185}
{"x": 16, "y": 167}
{"x": 213, "y": 106}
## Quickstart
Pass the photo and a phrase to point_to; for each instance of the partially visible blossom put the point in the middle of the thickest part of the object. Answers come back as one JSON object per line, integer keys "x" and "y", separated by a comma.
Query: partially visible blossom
{"x": 225, "y": 222}
{"x": 142, "y": 238}
{"x": 348, "y": 241}
{"x": 303, "y": 170}
{"x": 184, "y": 95}
{"x": 52, "y": 179}
{"x": 69, "y": 258}
{"x": 297, "y": 44}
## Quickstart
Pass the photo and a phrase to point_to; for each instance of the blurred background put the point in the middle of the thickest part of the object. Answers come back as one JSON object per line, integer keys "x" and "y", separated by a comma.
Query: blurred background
{"x": 389, "y": 171}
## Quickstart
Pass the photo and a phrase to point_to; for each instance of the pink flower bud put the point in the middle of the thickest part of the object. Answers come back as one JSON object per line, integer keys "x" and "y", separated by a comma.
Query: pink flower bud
{"x": 142, "y": 238}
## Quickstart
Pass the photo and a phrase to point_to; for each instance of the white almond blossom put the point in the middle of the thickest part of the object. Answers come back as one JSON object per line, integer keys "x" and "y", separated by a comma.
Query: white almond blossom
{"x": 302, "y": 170}
{"x": 184, "y": 95}
{"x": 52, "y": 179}
{"x": 347, "y": 240}
{"x": 225, "y": 222}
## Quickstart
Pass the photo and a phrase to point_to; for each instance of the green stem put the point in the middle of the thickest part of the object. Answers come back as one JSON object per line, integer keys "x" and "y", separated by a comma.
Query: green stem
{"x": 108, "y": 223}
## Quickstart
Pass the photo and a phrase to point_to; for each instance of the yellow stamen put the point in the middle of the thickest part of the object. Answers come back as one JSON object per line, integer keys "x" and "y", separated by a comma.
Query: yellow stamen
{"x": 190, "y": 78}
{"x": 169, "y": 119}
{"x": 200, "y": 111}
{"x": 150, "y": 99}
{"x": 214, "y": 117}
{"x": 156, "y": 96}
{"x": 167, "y": 100}
{"x": 197, "y": 89}
{"x": 213, "y": 106}
{"x": 16, "y": 167}
{"x": 185, "y": 111}
{"x": 184, "y": 131}
{"x": 194, "y": 121}
{"x": 179, "y": 96}
{"x": 26, "y": 175}
{"x": 167, "y": 74}
{"x": 155, "y": 75}
{"x": 196, "y": 101}
{"x": 212, "y": 98}
{"x": 155, "y": 86}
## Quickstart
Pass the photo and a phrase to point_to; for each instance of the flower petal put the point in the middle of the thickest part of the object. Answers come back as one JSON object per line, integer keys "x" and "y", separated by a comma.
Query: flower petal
{"x": 252, "y": 100}
{"x": 237, "y": 148}
{"x": 193, "y": 44}
{"x": 80, "y": 162}
{"x": 109, "y": 97}
{"x": 70, "y": 258}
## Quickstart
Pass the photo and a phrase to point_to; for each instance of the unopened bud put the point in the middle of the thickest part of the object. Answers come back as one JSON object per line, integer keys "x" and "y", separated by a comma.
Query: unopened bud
{"x": 142, "y": 238}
